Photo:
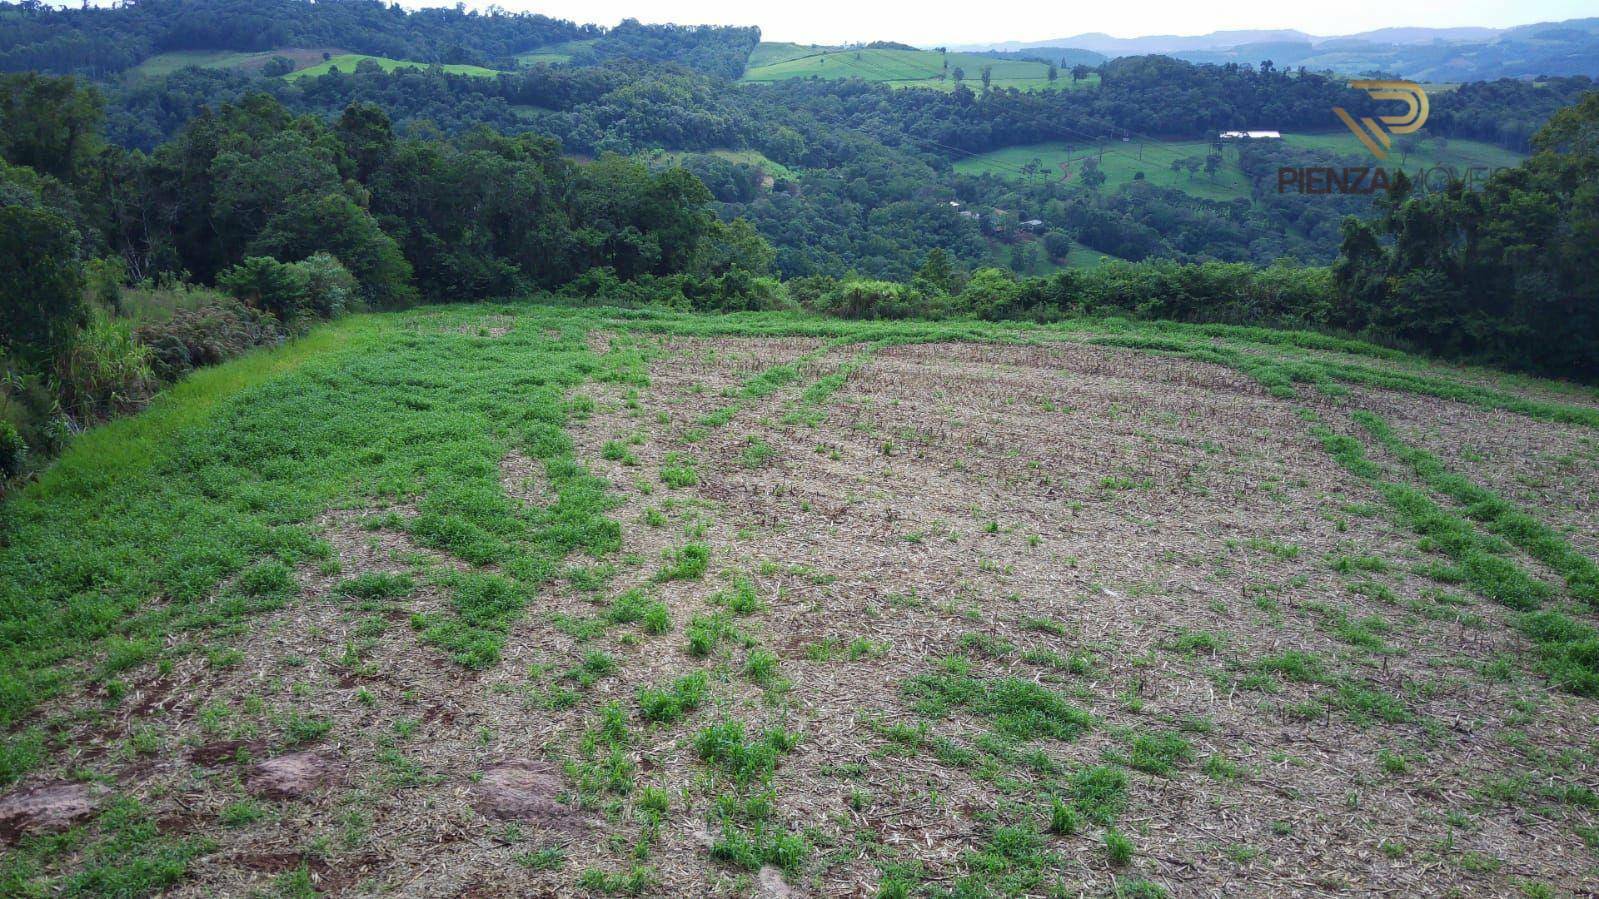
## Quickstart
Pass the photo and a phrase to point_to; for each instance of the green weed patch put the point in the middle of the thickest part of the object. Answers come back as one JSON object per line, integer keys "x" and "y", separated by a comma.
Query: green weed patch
{"x": 1535, "y": 538}
{"x": 197, "y": 511}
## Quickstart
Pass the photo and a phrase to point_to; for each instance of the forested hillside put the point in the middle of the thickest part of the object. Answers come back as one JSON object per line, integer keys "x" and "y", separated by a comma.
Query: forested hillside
{"x": 896, "y": 148}
{"x": 104, "y": 41}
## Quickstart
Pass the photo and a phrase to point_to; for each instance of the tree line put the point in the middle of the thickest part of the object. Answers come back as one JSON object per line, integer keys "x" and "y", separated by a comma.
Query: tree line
{"x": 300, "y": 217}
{"x": 1508, "y": 273}
{"x": 103, "y": 41}
{"x": 99, "y": 42}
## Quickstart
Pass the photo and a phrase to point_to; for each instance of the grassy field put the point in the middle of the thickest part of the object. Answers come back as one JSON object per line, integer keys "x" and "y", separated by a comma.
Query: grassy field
{"x": 1079, "y": 256}
{"x": 747, "y": 157}
{"x": 166, "y": 63}
{"x": 347, "y": 62}
{"x": 553, "y": 53}
{"x": 1432, "y": 152}
{"x": 900, "y": 68}
{"x": 1121, "y": 161}
{"x": 1086, "y": 257}
{"x": 524, "y": 600}
{"x": 771, "y": 52}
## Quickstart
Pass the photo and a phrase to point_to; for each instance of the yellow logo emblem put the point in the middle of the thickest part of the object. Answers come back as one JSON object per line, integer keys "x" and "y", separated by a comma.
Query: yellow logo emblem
{"x": 1371, "y": 131}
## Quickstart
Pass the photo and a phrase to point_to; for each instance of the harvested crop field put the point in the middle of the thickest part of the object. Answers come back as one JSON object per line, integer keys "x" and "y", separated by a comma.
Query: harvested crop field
{"x": 530, "y": 601}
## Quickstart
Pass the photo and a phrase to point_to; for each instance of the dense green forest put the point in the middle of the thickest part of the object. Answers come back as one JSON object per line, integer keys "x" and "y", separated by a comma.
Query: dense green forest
{"x": 104, "y": 41}
{"x": 892, "y": 148}
{"x": 846, "y": 175}
{"x": 637, "y": 171}
{"x": 245, "y": 193}
{"x": 100, "y": 42}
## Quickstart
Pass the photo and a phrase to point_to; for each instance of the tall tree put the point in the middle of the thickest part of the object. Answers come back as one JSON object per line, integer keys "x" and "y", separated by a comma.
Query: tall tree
{"x": 41, "y": 284}
{"x": 50, "y": 125}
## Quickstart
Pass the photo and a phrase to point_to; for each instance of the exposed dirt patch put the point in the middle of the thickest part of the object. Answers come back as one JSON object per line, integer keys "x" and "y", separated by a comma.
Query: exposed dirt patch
{"x": 226, "y": 752}
{"x": 1138, "y": 534}
{"x": 291, "y": 776}
{"x": 524, "y": 790}
{"x": 772, "y": 885}
{"x": 48, "y": 808}
{"x": 1083, "y": 501}
{"x": 524, "y": 479}
{"x": 493, "y": 326}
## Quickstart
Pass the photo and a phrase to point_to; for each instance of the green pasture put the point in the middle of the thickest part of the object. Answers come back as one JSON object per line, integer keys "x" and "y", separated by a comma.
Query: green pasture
{"x": 1121, "y": 161}
{"x": 347, "y": 62}
{"x": 901, "y": 68}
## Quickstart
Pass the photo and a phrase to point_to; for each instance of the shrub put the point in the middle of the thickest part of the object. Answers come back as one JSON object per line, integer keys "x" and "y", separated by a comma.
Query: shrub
{"x": 104, "y": 371}
{"x": 330, "y": 289}
{"x": 267, "y": 284}
{"x": 807, "y": 290}
{"x": 31, "y": 424}
{"x": 218, "y": 329}
{"x": 992, "y": 294}
{"x": 13, "y": 450}
{"x": 104, "y": 279}
{"x": 335, "y": 224}
{"x": 768, "y": 295}
{"x": 861, "y": 299}
{"x": 1057, "y": 243}
{"x": 735, "y": 291}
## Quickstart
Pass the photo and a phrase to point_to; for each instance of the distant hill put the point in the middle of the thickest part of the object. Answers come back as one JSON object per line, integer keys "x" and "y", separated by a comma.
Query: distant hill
{"x": 1099, "y": 42}
{"x": 1426, "y": 35}
{"x": 1430, "y": 54}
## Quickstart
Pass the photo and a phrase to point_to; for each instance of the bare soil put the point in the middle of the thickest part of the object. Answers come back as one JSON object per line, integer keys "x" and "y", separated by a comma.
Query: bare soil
{"x": 1062, "y": 499}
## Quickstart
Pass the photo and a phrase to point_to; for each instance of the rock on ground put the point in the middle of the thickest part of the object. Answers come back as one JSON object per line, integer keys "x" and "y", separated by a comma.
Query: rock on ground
{"x": 49, "y": 808}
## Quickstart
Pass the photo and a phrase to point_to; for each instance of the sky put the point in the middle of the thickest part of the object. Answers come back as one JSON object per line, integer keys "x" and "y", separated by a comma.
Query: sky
{"x": 930, "y": 23}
